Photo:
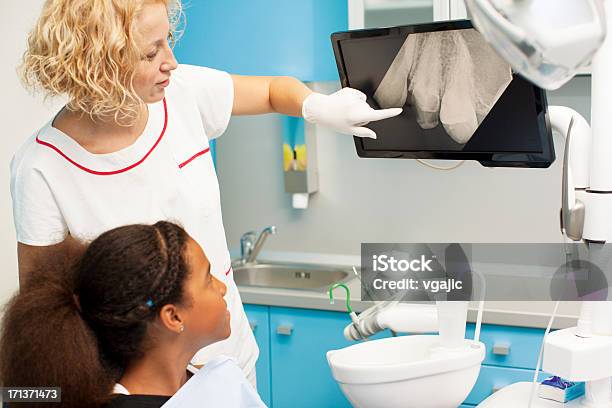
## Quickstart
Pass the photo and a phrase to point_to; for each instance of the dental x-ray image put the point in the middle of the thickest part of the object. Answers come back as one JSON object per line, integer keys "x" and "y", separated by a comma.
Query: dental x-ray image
{"x": 452, "y": 78}
{"x": 460, "y": 99}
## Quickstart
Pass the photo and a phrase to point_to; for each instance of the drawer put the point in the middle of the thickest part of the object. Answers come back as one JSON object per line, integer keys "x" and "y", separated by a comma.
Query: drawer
{"x": 299, "y": 341}
{"x": 259, "y": 319}
{"x": 493, "y": 378}
{"x": 509, "y": 346}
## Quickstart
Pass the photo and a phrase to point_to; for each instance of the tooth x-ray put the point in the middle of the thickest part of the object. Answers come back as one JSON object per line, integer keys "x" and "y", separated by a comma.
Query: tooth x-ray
{"x": 451, "y": 78}
{"x": 460, "y": 99}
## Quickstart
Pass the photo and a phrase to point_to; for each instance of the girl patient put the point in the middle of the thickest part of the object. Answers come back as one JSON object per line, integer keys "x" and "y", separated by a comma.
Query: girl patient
{"x": 120, "y": 329}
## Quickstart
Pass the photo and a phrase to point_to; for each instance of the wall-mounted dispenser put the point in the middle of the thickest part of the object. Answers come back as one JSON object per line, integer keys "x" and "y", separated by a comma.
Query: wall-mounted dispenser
{"x": 299, "y": 160}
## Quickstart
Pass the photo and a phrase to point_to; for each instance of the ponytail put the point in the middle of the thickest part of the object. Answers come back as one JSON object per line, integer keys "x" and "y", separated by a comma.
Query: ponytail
{"x": 46, "y": 343}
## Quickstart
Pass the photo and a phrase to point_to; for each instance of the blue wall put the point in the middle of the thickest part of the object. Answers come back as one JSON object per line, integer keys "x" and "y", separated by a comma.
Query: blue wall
{"x": 264, "y": 37}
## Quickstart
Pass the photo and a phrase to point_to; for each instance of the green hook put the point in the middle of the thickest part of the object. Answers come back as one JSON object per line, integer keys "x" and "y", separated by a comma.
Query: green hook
{"x": 348, "y": 295}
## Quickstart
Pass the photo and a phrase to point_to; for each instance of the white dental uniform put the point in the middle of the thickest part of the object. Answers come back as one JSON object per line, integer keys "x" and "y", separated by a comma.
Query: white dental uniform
{"x": 59, "y": 188}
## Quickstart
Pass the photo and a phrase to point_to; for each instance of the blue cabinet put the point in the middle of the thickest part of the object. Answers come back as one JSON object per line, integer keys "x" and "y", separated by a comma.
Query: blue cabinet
{"x": 509, "y": 346}
{"x": 292, "y": 369}
{"x": 264, "y": 37}
{"x": 259, "y": 319}
{"x": 296, "y": 366}
{"x": 300, "y": 340}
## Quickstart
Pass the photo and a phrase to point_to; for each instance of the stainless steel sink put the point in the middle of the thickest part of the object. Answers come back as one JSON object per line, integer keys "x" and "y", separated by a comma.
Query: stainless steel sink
{"x": 289, "y": 275}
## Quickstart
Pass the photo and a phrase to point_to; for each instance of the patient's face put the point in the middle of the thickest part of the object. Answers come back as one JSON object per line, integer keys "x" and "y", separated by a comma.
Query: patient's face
{"x": 208, "y": 319}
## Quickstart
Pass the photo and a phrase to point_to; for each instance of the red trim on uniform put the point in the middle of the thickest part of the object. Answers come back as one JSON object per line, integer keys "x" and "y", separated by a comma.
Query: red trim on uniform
{"x": 108, "y": 173}
{"x": 228, "y": 271}
{"x": 186, "y": 162}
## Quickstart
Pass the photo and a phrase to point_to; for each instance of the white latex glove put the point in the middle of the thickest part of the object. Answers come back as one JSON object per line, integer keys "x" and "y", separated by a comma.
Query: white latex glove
{"x": 345, "y": 111}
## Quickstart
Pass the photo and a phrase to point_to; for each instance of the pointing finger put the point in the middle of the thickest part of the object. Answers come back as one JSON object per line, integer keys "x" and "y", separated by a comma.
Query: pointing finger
{"x": 363, "y": 132}
{"x": 374, "y": 115}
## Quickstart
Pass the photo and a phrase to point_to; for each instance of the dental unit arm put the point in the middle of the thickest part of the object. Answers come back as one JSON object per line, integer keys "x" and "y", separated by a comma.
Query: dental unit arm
{"x": 447, "y": 318}
{"x": 444, "y": 317}
{"x": 394, "y": 316}
{"x": 548, "y": 42}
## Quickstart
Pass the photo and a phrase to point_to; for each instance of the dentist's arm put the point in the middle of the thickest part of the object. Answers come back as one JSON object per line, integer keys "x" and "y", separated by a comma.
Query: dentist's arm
{"x": 345, "y": 111}
{"x": 254, "y": 95}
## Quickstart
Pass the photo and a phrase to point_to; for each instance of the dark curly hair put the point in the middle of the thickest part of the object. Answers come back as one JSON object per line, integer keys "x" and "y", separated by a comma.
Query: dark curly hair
{"x": 78, "y": 330}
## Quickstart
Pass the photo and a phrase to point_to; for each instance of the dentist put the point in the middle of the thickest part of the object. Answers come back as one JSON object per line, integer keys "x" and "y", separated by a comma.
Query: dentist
{"x": 132, "y": 143}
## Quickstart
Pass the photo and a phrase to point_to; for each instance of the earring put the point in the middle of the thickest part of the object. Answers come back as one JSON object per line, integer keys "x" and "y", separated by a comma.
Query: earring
{"x": 181, "y": 329}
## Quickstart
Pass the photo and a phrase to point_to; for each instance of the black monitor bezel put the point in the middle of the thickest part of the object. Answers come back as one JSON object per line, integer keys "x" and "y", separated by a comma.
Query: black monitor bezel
{"x": 494, "y": 159}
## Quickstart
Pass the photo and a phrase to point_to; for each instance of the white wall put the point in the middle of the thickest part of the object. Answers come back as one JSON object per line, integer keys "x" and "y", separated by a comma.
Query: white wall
{"x": 384, "y": 200}
{"x": 22, "y": 113}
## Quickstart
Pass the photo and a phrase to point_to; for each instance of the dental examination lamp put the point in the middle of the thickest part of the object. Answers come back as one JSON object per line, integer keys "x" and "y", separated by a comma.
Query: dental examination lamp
{"x": 548, "y": 42}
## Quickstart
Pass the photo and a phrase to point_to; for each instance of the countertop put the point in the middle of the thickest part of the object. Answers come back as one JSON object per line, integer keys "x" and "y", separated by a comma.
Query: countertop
{"x": 534, "y": 314}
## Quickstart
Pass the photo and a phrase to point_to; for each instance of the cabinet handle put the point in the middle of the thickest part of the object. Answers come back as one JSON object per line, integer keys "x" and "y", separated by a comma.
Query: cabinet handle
{"x": 286, "y": 330}
{"x": 253, "y": 325}
{"x": 501, "y": 349}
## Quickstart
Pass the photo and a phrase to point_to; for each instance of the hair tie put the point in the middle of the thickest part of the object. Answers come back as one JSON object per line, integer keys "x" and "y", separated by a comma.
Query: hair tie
{"x": 149, "y": 303}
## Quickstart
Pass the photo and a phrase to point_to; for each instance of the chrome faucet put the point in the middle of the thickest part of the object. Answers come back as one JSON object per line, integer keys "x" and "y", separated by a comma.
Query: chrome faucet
{"x": 247, "y": 241}
{"x": 250, "y": 247}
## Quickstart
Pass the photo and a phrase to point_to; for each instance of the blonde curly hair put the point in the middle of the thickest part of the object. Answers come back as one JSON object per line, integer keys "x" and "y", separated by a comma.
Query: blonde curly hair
{"x": 87, "y": 50}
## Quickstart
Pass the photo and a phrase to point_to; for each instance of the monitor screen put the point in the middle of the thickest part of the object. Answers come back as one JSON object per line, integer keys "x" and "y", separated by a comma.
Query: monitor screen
{"x": 460, "y": 100}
